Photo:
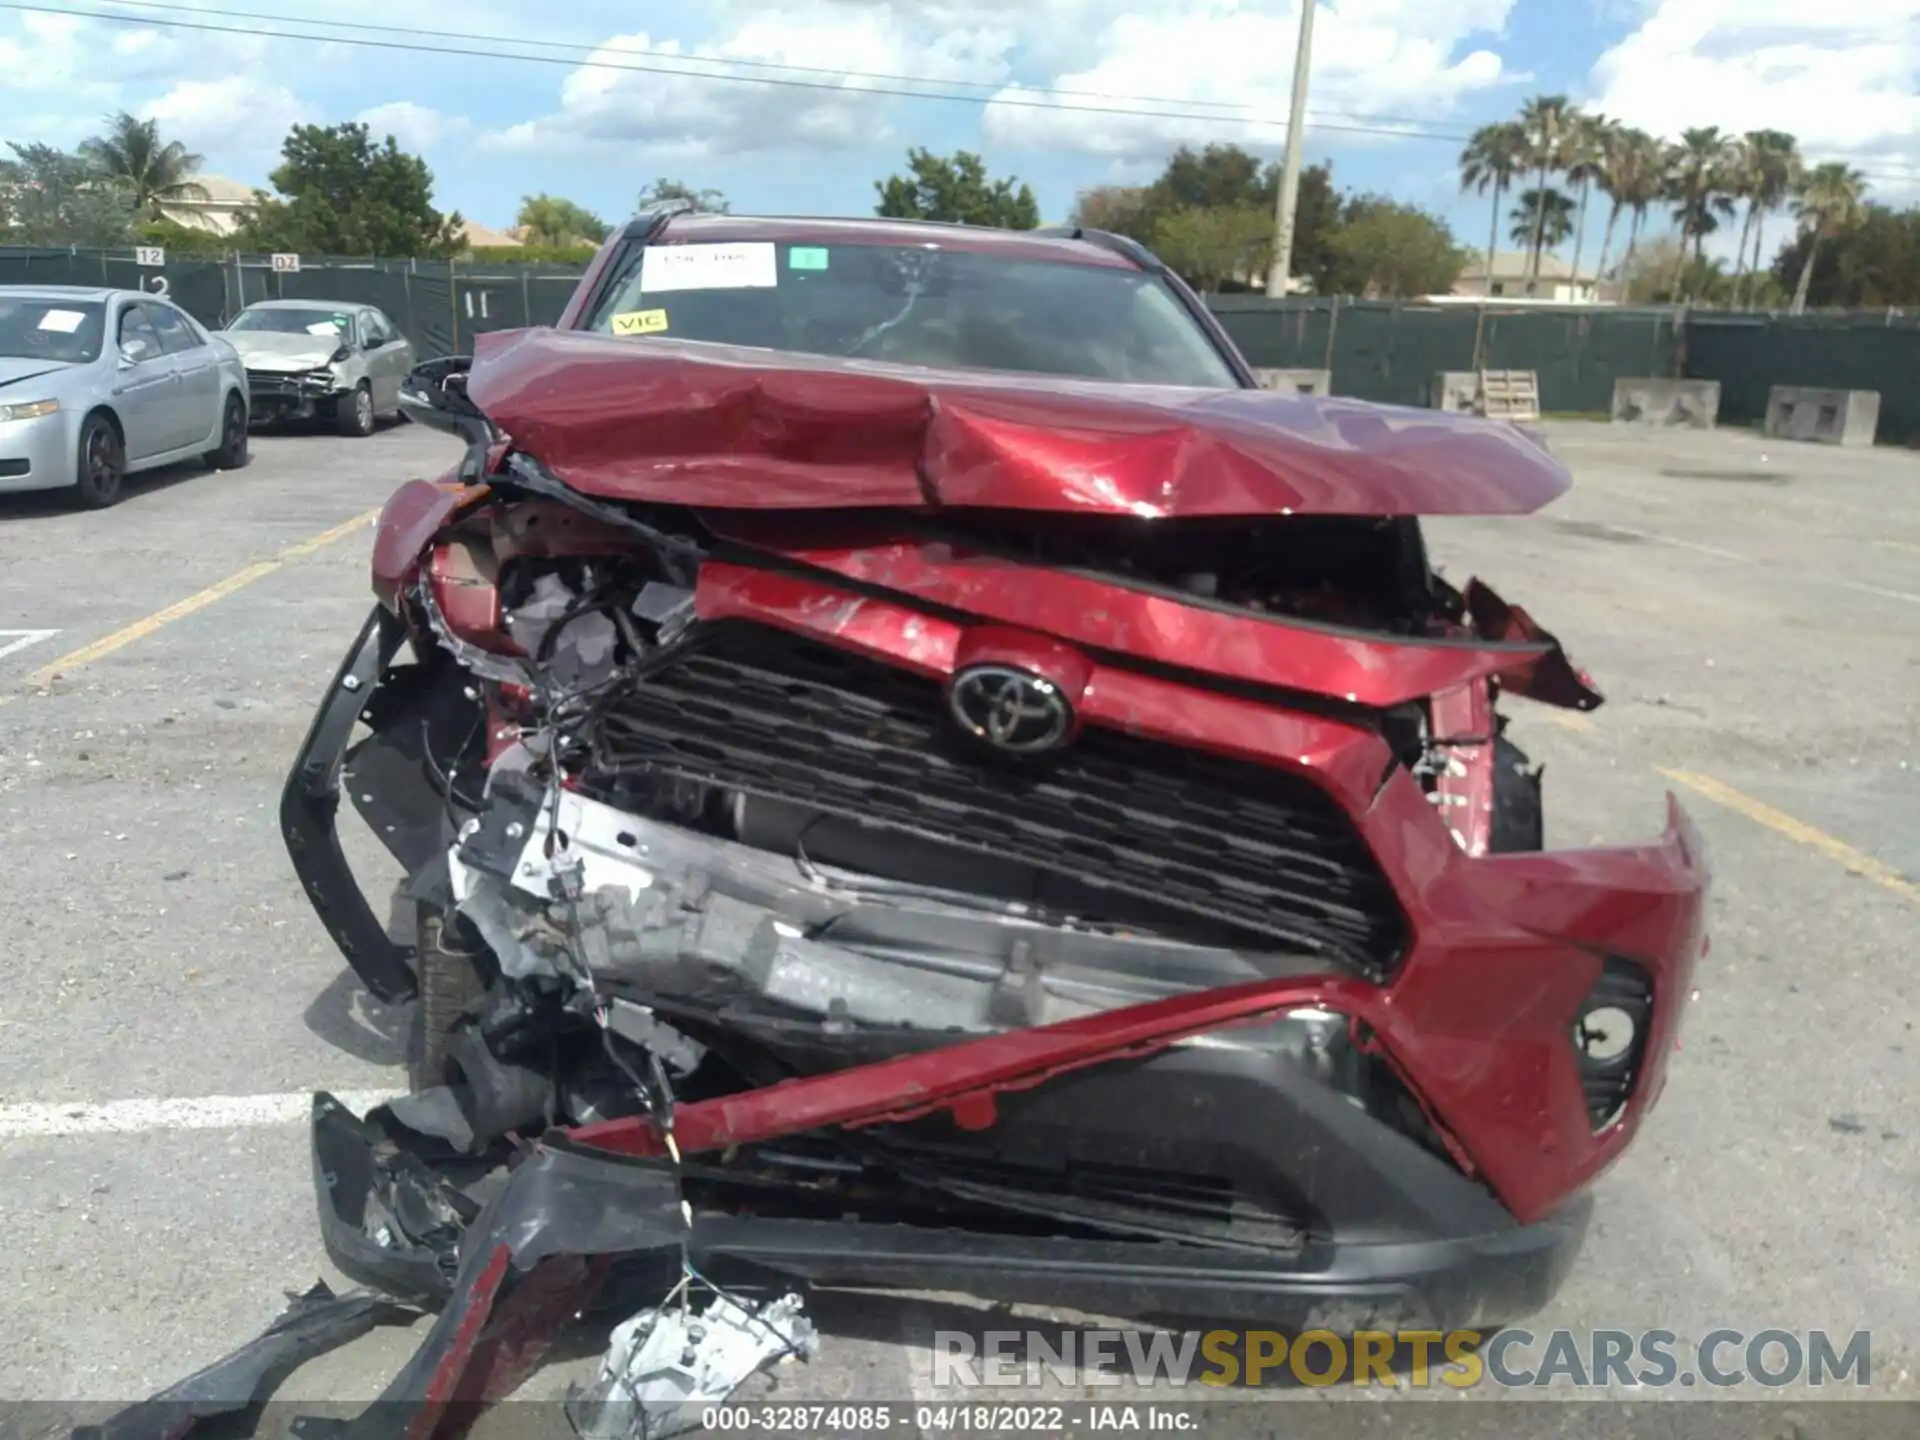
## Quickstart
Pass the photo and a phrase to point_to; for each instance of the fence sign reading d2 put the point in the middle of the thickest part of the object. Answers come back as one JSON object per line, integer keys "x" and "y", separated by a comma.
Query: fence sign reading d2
{"x": 286, "y": 264}
{"x": 149, "y": 257}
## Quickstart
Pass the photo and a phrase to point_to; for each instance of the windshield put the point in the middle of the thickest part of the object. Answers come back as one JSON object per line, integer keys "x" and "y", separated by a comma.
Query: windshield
{"x": 60, "y": 332}
{"x": 914, "y": 305}
{"x": 322, "y": 324}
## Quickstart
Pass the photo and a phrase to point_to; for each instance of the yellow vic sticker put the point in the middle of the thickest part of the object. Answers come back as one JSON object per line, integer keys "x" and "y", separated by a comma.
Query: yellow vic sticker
{"x": 640, "y": 322}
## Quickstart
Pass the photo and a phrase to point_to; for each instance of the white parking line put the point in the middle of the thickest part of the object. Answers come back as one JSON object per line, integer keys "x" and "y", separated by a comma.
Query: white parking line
{"x": 39, "y": 1119}
{"x": 12, "y": 642}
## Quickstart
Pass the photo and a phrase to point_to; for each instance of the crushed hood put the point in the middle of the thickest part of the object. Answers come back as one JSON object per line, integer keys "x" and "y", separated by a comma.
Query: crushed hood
{"x": 669, "y": 421}
{"x": 275, "y": 350}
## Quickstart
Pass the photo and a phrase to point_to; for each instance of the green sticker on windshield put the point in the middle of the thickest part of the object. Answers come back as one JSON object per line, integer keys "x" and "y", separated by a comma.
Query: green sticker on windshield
{"x": 807, "y": 257}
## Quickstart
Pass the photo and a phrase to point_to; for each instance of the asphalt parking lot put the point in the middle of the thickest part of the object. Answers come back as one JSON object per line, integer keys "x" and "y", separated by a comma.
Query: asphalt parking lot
{"x": 1752, "y": 612}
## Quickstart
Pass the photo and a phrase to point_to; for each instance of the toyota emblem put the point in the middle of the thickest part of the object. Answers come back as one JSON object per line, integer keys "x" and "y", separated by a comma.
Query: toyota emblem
{"x": 1011, "y": 710}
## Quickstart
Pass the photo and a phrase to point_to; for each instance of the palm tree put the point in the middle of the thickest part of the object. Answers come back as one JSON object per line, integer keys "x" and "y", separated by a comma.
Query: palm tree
{"x": 1586, "y": 159}
{"x": 1490, "y": 162}
{"x": 1764, "y": 173}
{"x": 131, "y": 156}
{"x": 1547, "y": 124}
{"x": 1829, "y": 202}
{"x": 1544, "y": 215}
{"x": 1634, "y": 176}
{"x": 1697, "y": 184}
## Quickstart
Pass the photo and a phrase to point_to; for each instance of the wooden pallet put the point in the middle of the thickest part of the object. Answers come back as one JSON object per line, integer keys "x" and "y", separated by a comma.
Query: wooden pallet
{"x": 1510, "y": 394}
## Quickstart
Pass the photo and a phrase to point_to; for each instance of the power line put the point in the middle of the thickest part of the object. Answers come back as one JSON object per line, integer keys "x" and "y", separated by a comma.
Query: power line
{"x": 570, "y": 48}
{"x": 1388, "y": 126}
{"x": 472, "y": 52}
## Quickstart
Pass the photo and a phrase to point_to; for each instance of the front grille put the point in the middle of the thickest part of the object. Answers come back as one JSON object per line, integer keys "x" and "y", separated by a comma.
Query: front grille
{"x": 273, "y": 384}
{"x": 1263, "y": 857}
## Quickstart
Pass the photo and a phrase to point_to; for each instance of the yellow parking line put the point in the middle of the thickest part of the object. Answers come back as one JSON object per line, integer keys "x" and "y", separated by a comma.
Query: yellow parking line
{"x": 147, "y": 625}
{"x": 1859, "y": 862}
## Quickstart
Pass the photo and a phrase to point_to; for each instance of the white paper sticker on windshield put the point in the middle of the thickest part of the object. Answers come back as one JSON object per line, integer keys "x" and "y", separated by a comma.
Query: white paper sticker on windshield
{"x": 63, "y": 322}
{"x": 746, "y": 265}
{"x": 323, "y": 327}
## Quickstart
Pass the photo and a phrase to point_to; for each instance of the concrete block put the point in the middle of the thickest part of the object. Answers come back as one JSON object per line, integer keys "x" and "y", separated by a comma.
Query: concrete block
{"x": 1825, "y": 417}
{"x": 1688, "y": 404}
{"x": 1457, "y": 390}
{"x": 1296, "y": 382}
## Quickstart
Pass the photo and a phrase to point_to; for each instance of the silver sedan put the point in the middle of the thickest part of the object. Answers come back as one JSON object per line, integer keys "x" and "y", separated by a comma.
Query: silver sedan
{"x": 97, "y": 385}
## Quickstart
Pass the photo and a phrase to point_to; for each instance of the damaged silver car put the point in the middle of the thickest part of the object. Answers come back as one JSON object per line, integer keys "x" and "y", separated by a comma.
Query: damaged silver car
{"x": 322, "y": 360}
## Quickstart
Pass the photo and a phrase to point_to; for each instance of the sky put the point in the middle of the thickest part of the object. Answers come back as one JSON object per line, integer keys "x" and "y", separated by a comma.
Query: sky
{"x": 595, "y": 99}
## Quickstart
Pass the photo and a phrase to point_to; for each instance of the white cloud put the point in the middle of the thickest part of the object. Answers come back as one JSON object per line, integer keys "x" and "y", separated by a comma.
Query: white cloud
{"x": 622, "y": 96}
{"x": 1842, "y": 75}
{"x": 241, "y": 119}
{"x": 413, "y": 127}
{"x": 1374, "y": 62}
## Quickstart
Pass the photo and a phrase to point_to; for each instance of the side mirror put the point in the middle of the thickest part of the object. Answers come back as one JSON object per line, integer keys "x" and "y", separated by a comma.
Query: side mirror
{"x": 130, "y": 355}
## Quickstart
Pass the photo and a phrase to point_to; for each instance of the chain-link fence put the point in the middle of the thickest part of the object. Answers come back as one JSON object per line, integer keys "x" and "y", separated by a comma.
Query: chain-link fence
{"x": 439, "y": 305}
{"x": 1377, "y": 349}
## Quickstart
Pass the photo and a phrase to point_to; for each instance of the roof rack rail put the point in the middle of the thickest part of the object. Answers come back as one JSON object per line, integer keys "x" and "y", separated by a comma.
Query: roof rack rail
{"x": 652, "y": 219}
{"x": 1106, "y": 240}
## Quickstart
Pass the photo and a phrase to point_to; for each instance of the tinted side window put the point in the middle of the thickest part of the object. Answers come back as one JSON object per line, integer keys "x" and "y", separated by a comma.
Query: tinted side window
{"x": 137, "y": 335}
{"x": 175, "y": 335}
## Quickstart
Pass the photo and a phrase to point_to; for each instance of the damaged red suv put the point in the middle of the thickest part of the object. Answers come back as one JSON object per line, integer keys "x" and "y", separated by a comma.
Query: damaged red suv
{"x": 913, "y": 771}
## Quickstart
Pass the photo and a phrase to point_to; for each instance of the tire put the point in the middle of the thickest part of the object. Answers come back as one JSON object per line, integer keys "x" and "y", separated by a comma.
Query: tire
{"x": 1519, "y": 819}
{"x": 231, "y": 453}
{"x": 353, "y": 413}
{"x": 101, "y": 465}
{"x": 450, "y": 985}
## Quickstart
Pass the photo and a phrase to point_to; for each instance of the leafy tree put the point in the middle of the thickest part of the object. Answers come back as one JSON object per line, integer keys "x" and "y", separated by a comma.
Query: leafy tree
{"x": 550, "y": 220}
{"x": 705, "y": 202}
{"x": 956, "y": 190}
{"x": 1830, "y": 202}
{"x": 1765, "y": 168}
{"x": 342, "y": 194}
{"x": 131, "y": 154}
{"x": 1872, "y": 264}
{"x": 49, "y": 197}
{"x": 1384, "y": 248}
{"x": 1207, "y": 245}
{"x": 1698, "y": 183}
{"x": 1541, "y": 217}
{"x": 1491, "y": 162}
{"x": 184, "y": 239}
{"x": 1549, "y": 125}
{"x": 1632, "y": 176}
{"x": 1586, "y": 167}
{"x": 1121, "y": 209}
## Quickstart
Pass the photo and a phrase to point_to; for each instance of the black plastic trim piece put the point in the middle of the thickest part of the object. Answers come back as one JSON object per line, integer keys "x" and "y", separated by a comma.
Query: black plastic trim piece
{"x": 310, "y": 806}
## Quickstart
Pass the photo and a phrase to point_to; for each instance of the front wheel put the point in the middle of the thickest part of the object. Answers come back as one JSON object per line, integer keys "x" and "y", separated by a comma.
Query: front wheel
{"x": 354, "y": 413}
{"x": 231, "y": 453}
{"x": 102, "y": 464}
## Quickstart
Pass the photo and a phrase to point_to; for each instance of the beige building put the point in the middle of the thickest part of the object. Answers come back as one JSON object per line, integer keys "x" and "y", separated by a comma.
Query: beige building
{"x": 218, "y": 212}
{"x": 1510, "y": 280}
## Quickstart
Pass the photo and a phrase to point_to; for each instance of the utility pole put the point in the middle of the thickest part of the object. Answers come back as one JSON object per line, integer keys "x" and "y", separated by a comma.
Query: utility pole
{"x": 1289, "y": 198}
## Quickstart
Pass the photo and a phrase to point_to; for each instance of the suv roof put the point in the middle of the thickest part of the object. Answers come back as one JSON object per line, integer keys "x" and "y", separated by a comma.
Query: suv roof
{"x": 1059, "y": 245}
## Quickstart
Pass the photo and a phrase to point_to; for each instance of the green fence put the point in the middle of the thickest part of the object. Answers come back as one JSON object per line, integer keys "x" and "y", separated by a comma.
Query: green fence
{"x": 439, "y": 306}
{"x": 1377, "y": 349}
{"x": 1391, "y": 351}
